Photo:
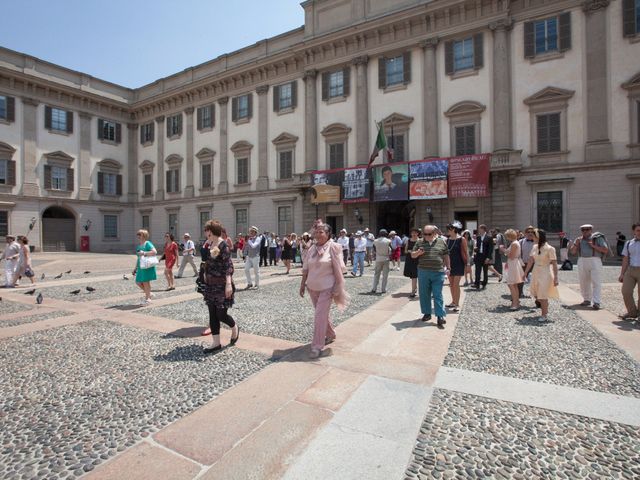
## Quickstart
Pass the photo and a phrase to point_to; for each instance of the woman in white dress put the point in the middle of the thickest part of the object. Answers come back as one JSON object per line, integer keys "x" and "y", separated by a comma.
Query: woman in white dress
{"x": 515, "y": 272}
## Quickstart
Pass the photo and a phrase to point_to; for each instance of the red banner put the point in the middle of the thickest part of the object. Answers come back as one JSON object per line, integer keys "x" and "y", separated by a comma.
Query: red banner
{"x": 469, "y": 176}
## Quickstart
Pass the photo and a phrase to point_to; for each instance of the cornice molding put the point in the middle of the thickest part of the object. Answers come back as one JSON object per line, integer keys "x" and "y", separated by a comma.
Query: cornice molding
{"x": 361, "y": 60}
{"x": 223, "y": 100}
{"x": 429, "y": 42}
{"x": 159, "y": 119}
{"x": 262, "y": 89}
{"x": 592, "y": 6}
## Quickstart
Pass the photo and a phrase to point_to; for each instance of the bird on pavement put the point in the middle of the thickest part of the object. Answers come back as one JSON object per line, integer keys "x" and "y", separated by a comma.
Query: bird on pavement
{"x": 42, "y": 277}
{"x": 30, "y": 292}
{"x": 90, "y": 289}
{"x": 75, "y": 292}
{"x": 39, "y": 298}
{"x": 124, "y": 277}
{"x": 68, "y": 272}
{"x": 87, "y": 272}
{"x": 58, "y": 276}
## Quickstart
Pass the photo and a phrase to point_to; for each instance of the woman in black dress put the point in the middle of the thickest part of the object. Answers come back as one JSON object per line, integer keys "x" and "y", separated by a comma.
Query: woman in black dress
{"x": 458, "y": 252}
{"x": 219, "y": 287}
{"x": 410, "y": 263}
{"x": 286, "y": 252}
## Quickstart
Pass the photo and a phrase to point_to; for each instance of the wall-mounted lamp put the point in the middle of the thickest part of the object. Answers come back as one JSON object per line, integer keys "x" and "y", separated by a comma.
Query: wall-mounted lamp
{"x": 32, "y": 223}
{"x": 429, "y": 215}
{"x": 87, "y": 225}
{"x": 356, "y": 212}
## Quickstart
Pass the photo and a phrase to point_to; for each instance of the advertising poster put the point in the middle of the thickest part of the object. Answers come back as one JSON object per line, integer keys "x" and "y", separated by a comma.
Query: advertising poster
{"x": 391, "y": 182}
{"x": 326, "y": 186}
{"x": 355, "y": 185}
{"x": 469, "y": 176}
{"x": 428, "y": 179}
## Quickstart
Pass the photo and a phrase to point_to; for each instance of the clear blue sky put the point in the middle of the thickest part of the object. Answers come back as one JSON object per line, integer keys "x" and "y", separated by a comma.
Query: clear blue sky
{"x": 134, "y": 42}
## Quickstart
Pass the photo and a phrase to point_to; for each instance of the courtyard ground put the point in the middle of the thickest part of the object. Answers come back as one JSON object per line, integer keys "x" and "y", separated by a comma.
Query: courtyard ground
{"x": 94, "y": 385}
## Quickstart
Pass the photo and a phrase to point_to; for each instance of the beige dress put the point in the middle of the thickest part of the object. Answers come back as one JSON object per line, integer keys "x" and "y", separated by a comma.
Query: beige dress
{"x": 542, "y": 286}
{"x": 515, "y": 273}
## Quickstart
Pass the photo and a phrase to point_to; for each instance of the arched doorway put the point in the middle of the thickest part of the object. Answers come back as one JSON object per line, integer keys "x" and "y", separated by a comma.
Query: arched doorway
{"x": 58, "y": 230}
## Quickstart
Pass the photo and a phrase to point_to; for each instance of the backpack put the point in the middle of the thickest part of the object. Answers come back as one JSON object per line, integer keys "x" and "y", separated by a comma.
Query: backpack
{"x": 567, "y": 265}
{"x": 596, "y": 236}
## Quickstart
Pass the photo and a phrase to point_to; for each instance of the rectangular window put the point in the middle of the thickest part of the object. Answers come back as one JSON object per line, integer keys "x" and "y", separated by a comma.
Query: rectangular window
{"x": 173, "y": 224}
{"x": 548, "y": 131}
{"x": 242, "y": 221}
{"x": 243, "y": 106}
{"x": 395, "y": 70}
{"x": 109, "y": 183}
{"x": 147, "y": 133}
{"x": 395, "y": 143}
{"x": 465, "y": 137}
{"x": 145, "y": 222}
{"x": 4, "y": 172}
{"x": 286, "y": 164}
{"x": 205, "y": 216}
{"x": 336, "y": 84}
{"x": 550, "y": 211}
{"x": 58, "y": 178}
{"x": 546, "y": 35}
{"x": 148, "y": 185}
{"x": 243, "y": 170}
{"x": 205, "y": 117}
{"x": 110, "y": 226}
{"x": 58, "y": 119}
{"x": 285, "y": 224}
{"x": 173, "y": 180}
{"x": 286, "y": 98}
{"x": 108, "y": 131}
{"x": 174, "y": 125}
{"x": 4, "y": 223}
{"x": 205, "y": 173}
{"x": 336, "y": 155}
{"x": 3, "y": 106}
{"x": 463, "y": 54}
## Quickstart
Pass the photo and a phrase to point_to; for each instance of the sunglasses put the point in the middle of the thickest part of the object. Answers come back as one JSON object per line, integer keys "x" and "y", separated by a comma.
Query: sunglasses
{"x": 585, "y": 229}
{"x": 428, "y": 234}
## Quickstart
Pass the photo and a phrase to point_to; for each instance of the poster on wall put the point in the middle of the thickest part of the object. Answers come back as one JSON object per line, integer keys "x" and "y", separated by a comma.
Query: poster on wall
{"x": 326, "y": 186}
{"x": 355, "y": 185}
{"x": 390, "y": 182}
{"x": 428, "y": 179}
{"x": 469, "y": 176}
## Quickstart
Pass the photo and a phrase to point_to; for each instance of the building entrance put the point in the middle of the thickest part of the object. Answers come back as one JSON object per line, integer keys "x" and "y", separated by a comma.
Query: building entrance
{"x": 398, "y": 216}
{"x": 469, "y": 220}
{"x": 58, "y": 230}
{"x": 335, "y": 223}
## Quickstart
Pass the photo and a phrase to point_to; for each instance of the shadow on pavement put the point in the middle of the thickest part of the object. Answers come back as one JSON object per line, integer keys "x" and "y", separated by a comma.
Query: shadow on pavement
{"x": 186, "y": 332}
{"x": 627, "y": 325}
{"x": 185, "y": 353}
{"x": 531, "y": 322}
{"x": 124, "y": 308}
{"x": 412, "y": 324}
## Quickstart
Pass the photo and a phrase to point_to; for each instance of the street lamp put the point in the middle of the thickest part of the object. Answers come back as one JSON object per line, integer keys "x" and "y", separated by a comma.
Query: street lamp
{"x": 87, "y": 225}
{"x": 356, "y": 212}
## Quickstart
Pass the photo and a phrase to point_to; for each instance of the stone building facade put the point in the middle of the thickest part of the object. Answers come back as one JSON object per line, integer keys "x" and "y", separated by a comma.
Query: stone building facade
{"x": 551, "y": 89}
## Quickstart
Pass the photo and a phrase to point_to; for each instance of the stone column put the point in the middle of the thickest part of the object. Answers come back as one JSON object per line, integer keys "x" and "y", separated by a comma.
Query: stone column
{"x": 189, "y": 188}
{"x": 84, "y": 161}
{"x": 132, "y": 163}
{"x": 310, "y": 120}
{"x": 29, "y": 129}
{"x": 501, "y": 85}
{"x": 430, "y": 107}
{"x": 598, "y": 146}
{"x": 362, "y": 110}
{"x": 263, "y": 152}
{"x": 223, "y": 184}
{"x": 160, "y": 134}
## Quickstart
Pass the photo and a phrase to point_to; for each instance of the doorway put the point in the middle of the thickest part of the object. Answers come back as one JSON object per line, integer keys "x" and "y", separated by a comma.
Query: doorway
{"x": 336, "y": 224}
{"x": 469, "y": 220}
{"x": 58, "y": 230}
{"x": 398, "y": 216}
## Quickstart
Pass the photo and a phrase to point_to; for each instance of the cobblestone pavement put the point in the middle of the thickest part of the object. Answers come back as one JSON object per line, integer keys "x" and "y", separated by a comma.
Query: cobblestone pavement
{"x": 32, "y": 318}
{"x": 7, "y": 306}
{"x": 609, "y": 274}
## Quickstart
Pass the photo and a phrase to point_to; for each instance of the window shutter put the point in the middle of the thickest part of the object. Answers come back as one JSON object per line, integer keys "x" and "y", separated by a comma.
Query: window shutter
{"x": 406, "y": 67}
{"x": 47, "y": 177}
{"x": 11, "y": 172}
{"x": 47, "y": 117}
{"x": 554, "y": 132}
{"x": 250, "y": 105}
{"x": 70, "y": 123}
{"x": 100, "y": 129}
{"x": 180, "y": 124}
{"x": 470, "y": 134}
{"x": 118, "y": 132}
{"x": 168, "y": 127}
{"x": 199, "y": 118}
{"x": 346, "y": 80}
{"x": 100, "y": 183}
{"x": 153, "y": 127}
{"x": 11, "y": 109}
{"x": 629, "y": 27}
{"x": 168, "y": 181}
{"x": 294, "y": 94}
{"x": 142, "y": 134}
{"x": 325, "y": 85}
{"x": 382, "y": 72}
{"x": 234, "y": 109}
{"x": 564, "y": 24}
{"x": 478, "y": 52}
{"x": 70, "y": 185}
{"x": 529, "y": 40}
{"x": 177, "y": 179}
{"x": 118, "y": 184}
{"x": 543, "y": 133}
{"x": 448, "y": 58}
{"x": 276, "y": 98}
{"x": 213, "y": 114}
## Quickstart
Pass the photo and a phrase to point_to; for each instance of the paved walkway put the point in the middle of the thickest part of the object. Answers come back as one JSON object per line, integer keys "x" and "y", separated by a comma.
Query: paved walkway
{"x": 392, "y": 398}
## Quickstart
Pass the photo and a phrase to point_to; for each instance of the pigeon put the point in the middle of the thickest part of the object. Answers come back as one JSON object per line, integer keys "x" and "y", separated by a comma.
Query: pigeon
{"x": 58, "y": 276}
{"x": 87, "y": 272}
{"x": 124, "y": 277}
{"x": 91, "y": 289}
{"x": 30, "y": 292}
{"x": 68, "y": 272}
{"x": 75, "y": 292}
{"x": 39, "y": 298}
{"x": 42, "y": 277}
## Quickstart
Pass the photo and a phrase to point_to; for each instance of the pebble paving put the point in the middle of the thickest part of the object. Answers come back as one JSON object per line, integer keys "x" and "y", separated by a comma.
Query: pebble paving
{"x": 33, "y": 318}
{"x": 609, "y": 274}
{"x": 118, "y": 385}
{"x": 564, "y": 351}
{"x": 276, "y": 310}
{"x": 465, "y": 436}
{"x": 12, "y": 307}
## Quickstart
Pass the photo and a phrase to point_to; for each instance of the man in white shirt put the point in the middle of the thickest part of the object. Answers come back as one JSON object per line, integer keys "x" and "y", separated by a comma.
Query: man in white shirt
{"x": 368, "y": 236}
{"x": 10, "y": 255}
{"x": 187, "y": 256}
{"x": 343, "y": 240}
{"x": 382, "y": 246}
{"x": 359, "y": 252}
{"x": 630, "y": 272}
{"x": 252, "y": 259}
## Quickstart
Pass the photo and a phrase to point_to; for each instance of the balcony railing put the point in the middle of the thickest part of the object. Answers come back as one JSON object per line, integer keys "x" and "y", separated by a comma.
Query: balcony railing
{"x": 506, "y": 160}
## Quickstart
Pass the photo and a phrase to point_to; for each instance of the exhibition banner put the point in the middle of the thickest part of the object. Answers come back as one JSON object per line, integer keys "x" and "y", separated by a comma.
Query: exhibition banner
{"x": 390, "y": 182}
{"x": 469, "y": 176}
{"x": 326, "y": 186}
{"x": 428, "y": 179}
{"x": 355, "y": 185}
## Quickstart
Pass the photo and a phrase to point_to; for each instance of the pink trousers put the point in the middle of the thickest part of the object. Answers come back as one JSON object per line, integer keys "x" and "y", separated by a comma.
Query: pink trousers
{"x": 322, "y": 324}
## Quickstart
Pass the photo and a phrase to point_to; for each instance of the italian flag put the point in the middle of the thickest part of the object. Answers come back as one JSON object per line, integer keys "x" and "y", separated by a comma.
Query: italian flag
{"x": 381, "y": 143}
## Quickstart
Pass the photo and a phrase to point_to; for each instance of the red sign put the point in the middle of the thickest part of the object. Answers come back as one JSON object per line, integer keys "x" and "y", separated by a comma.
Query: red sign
{"x": 469, "y": 176}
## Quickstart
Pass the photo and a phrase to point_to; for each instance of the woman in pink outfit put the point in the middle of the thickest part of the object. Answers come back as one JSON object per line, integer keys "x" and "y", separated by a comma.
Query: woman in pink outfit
{"x": 322, "y": 276}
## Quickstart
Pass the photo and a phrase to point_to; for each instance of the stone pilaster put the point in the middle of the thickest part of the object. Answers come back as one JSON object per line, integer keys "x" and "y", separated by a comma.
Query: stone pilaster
{"x": 598, "y": 145}
{"x": 430, "y": 108}
{"x": 30, "y": 162}
{"x": 502, "y": 137}
{"x": 223, "y": 184}
{"x": 189, "y": 188}
{"x": 160, "y": 134}
{"x": 263, "y": 152}
{"x": 84, "y": 161}
{"x": 132, "y": 163}
{"x": 310, "y": 120}
{"x": 362, "y": 110}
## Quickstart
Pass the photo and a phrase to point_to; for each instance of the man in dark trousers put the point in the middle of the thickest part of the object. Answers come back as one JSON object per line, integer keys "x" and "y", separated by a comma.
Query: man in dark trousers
{"x": 483, "y": 254}
{"x": 264, "y": 248}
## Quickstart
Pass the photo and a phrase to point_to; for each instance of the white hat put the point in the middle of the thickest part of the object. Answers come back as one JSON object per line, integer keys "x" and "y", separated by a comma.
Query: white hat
{"x": 586, "y": 225}
{"x": 253, "y": 227}
{"x": 343, "y": 230}
{"x": 392, "y": 232}
{"x": 359, "y": 233}
{"x": 187, "y": 235}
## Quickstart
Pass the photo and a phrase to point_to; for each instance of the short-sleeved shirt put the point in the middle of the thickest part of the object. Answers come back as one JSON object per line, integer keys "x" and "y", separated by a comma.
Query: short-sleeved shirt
{"x": 382, "y": 246}
{"x": 632, "y": 250}
{"x": 434, "y": 253}
{"x": 587, "y": 251}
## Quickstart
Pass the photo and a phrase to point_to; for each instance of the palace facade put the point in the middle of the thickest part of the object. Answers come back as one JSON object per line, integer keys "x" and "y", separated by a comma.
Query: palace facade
{"x": 550, "y": 88}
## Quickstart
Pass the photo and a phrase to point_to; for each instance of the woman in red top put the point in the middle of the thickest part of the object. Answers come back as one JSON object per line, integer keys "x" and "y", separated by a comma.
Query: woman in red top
{"x": 240, "y": 247}
{"x": 170, "y": 256}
